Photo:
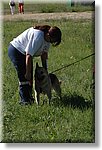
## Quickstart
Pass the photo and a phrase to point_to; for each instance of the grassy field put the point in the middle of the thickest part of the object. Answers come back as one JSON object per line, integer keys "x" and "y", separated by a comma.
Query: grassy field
{"x": 49, "y": 8}
{"x": 68, "y": 120}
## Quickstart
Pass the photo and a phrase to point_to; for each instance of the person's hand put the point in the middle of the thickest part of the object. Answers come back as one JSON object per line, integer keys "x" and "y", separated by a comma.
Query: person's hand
{"x": 28, "y": 76}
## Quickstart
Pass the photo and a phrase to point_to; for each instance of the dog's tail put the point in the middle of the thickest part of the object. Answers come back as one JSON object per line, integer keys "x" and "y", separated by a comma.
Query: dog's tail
{"x": 55, "y": 84}
{"x": 53, "y": 78}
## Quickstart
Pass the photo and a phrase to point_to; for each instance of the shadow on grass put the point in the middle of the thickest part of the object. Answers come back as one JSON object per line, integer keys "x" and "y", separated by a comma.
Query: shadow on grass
{"x": 74, "y": 101}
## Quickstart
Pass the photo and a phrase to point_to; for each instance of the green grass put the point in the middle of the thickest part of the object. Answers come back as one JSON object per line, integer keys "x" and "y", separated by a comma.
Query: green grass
{"x": 49, "y": 8}
{"x": 68, "y": 120}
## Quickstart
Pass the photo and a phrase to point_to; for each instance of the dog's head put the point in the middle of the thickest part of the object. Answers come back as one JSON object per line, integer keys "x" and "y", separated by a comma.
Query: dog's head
{"x": 40, "y": 73}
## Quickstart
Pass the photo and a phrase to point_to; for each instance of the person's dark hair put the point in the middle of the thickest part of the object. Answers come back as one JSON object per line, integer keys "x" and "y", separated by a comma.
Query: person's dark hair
{"x": 54, "y": 32}
{"x": 44, "y": 28}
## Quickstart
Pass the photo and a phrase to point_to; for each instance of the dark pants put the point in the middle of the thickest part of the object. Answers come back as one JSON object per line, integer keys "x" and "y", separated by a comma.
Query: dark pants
{"x": 19, "y": 61}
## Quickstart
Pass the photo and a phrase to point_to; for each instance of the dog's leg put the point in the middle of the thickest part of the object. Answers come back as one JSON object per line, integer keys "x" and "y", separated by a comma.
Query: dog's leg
{"x": 58, "y": 90}
{"x": 59, "y": 93}
{"x": 37, "y": 97}
{"x": 49, "y": 96}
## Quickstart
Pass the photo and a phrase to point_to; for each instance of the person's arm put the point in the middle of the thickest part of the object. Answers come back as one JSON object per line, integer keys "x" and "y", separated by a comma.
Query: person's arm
{"x": 29, "y": 62}
{"x": 44, "y": 58}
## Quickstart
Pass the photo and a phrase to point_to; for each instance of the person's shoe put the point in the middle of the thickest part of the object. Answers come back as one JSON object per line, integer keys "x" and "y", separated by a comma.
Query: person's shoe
{"x": 30, "y": 101}
{"x": 24, "y": 103}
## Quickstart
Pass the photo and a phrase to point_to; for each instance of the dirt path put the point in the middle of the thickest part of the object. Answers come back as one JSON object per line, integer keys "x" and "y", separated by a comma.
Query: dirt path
{"x": 47, "y": 16}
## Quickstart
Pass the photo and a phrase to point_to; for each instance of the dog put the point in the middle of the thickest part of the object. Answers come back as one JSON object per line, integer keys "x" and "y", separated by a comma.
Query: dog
{"x": 44, "y": 83}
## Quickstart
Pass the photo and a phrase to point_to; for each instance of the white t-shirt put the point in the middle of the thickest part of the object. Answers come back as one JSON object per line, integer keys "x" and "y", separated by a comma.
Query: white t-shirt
{"x": 20, "y": 1}
{"x": 32, "y": 42}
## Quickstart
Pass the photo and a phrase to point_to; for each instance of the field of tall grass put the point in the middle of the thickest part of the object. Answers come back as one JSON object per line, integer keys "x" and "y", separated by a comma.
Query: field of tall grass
{"x": 65, "y": 121}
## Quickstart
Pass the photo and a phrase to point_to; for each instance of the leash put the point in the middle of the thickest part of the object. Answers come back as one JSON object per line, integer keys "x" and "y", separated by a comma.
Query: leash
{"x": 73, "y": 63}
